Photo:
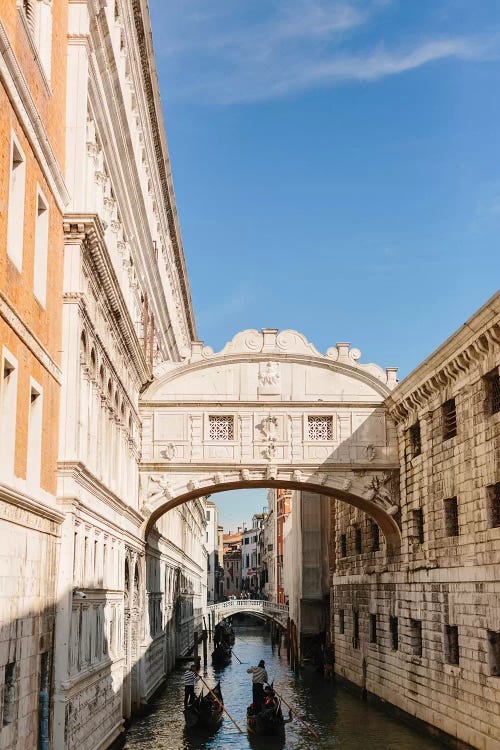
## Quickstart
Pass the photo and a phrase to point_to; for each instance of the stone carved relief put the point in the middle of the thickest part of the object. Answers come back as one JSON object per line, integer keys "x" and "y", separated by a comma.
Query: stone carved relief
{"x": 382, "y": 489}
{"x": 269, "y": 379}
{"x": 245, "y": 474}
{"x": 269, "y": 451}
{"x": 162, "y": 489}
{"x": 371, "y": 452}
{"x": 168, "y": 452}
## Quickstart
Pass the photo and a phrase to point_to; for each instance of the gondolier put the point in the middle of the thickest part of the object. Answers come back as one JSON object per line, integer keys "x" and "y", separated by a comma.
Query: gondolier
{"x": 259, "y": 677}
{"x": 190, "y": 679}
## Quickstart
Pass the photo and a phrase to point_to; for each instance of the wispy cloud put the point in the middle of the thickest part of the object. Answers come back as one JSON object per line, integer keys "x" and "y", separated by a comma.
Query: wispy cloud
{"x": 254, "y": 50}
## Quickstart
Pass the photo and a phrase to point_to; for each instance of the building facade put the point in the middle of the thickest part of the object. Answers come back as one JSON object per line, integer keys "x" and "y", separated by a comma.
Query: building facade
{"x": 212, "y": 547}
{"x": 232, "y": 579}
{"x": 33, "y": 196}
{"x": 269, "y": 546}
{"x": 283, "y": 507}
{"x": 251, "y": 554}
{"x": 422, "y": 630}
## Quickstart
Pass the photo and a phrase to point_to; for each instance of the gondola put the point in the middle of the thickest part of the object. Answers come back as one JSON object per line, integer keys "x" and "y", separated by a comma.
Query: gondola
{"x": 269, "y": 721}
{"x": 205, "y": 711}
{"x": 221, "y": 655}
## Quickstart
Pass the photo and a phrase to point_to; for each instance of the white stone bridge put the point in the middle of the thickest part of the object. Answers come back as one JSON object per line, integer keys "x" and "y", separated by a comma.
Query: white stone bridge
{"x": 269, "y": 410}
{"x": 257, "y": 607}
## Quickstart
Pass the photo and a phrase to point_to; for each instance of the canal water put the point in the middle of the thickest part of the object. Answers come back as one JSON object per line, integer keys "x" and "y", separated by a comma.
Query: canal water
{"x": 342, "y": 720}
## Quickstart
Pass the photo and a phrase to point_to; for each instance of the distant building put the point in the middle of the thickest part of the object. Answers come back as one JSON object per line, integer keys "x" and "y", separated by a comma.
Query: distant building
{"x": 269, "y": 540}
{"x": 283, "y": 498}
{"x": 251, "y": 554}
{"x": 212, "y": 547}
{"x": 231, "y": 582}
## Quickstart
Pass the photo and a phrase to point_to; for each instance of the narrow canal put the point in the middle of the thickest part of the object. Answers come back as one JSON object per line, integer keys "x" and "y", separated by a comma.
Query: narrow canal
{"x": 342, "y": 720}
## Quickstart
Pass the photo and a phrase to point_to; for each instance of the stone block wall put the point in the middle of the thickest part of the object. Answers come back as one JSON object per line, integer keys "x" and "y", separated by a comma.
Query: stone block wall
{"x": 422, "y": 630}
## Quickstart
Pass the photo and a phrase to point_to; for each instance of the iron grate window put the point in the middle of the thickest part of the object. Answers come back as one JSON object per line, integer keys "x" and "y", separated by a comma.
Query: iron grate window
{"x": 373, "y": 628}
{"x": 355, "y": 629}
{"x": 494, "y": 504}
{"x": 449, "y": 412}
{"x": 343, "y": 545}
{"x": 375, "y": 537}
{"x": 418, "y": 525}
{"x": 451, "y": 516}
{"x": 341, "y": 622}
{"x": 357, "y": 540}
{"x": 416, "y": 637}
{"x": 492, "y": 381}
{"x": 393, "y": 629}
{"x": 415, "y": 439}
{"x": 221, "y": 428}
{"x": 452, "y": 648}
{"x": 494, "y": 653}
{"x": 320, "y": 428}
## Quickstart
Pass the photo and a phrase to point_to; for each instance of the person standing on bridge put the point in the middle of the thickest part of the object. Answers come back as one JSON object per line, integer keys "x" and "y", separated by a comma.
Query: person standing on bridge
{"x": 259, "y": 677}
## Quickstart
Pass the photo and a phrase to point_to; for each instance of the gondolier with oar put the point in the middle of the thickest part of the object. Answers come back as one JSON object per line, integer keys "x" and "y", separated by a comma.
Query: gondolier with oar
{"x": 190, "y": 679}
{"x": 259, "y": 678}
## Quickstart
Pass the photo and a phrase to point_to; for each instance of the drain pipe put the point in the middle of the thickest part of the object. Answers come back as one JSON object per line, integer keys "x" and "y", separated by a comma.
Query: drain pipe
{"x": 44, "y": 720}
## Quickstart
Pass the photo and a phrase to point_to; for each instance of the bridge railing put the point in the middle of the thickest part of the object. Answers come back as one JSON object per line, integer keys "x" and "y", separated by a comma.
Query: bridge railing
{"x": 247, "y": 604}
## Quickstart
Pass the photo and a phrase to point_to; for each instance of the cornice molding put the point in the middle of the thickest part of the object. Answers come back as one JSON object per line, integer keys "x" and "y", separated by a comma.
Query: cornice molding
{"x": 31, "y": 341}
{"x": 11, "y": 75}
{"x": 77, "y": 471}
{"x": 87, "y": 229}
{"x": 465, "y": 350}
{"x": 30, "y": 505}
{"x": 144, "y": 40}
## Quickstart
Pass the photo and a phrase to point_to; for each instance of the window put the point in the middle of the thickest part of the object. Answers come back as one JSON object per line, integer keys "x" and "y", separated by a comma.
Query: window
{"x": 247, "y": 557}
{"x": 221, "y": 428}
{"x": 343, "y": 545}
{"x": 341, "y": 622}
{"x": 15, "y": 211}
{"x": 208, "y": 515}
{"x": 494, "y": 653}
{"x": 355, "y": 629}
{"x": 9, "y": 693}
{"x": 492, "y": 383}
{"x": 418, "y": 525}
{"x": 34, "y": 435}
{"x": 8, "y": 403}
{"x": 227, "y": 582}
{"x": 451, "y": 516}
{"x": 415, "y": 440}
{"x": 416, "y": 637}
{"x": 247, "y": 540}
{"x": 41, "y": 248}
{"x": 449, "y": 412}
{"x": 206, "y": 535}
{"x": 373, "y": 628}
{"x": 357, "y": 540}
{"x": 452, "y": 650}
{"x": 493, "y": 494}
{"x": 320, "y": 428}
{"x": 375, "y": 536}
{"x": 393, "y": 629}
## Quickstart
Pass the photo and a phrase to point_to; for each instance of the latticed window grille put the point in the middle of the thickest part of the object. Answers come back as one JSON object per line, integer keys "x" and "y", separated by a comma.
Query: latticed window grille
{"x": 320, "y": 428}
{"x": 221, "y": 428}
{"x": 393, "y": 630}
{"x": 416, "y": 636}
{"x": 449, "y": 411}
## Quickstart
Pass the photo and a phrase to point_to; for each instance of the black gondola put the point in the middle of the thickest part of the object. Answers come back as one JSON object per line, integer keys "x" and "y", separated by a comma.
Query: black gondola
{"x": 221, "y": 654}
{"x": 269, "y": 721}
{"x": 205, "y": 711}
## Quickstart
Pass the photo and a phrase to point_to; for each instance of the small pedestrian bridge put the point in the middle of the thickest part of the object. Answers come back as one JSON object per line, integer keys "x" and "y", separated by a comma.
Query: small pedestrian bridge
{"x": 257, "y": 607}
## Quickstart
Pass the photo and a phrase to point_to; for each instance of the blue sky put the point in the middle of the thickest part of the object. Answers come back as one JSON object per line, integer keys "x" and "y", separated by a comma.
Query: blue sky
{"x": 336, "y": 166}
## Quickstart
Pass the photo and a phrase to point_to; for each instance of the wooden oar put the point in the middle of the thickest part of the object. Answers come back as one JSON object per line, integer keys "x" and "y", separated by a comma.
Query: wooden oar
{"x": 292, "y": 711}
{"x": 241, "y": 662}
{"x": 221, "y": 705}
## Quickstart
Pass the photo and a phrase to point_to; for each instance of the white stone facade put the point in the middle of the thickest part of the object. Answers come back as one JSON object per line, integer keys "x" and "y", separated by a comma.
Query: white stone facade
{"x": 212, "y": 547}
{"x": 269, "y": 543}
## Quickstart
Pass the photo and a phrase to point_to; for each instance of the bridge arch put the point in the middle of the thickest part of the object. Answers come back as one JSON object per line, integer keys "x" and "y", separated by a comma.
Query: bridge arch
{"x": 265, "y": 610}
{"x": 270, "y": 411}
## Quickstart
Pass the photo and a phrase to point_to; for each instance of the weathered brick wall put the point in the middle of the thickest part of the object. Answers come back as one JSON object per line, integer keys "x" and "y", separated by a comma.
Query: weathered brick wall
{"x": 442, "y": 581}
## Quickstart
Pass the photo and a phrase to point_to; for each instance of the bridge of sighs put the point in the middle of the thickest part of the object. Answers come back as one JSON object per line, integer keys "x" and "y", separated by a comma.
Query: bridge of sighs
{"x": 269, "y": 410}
